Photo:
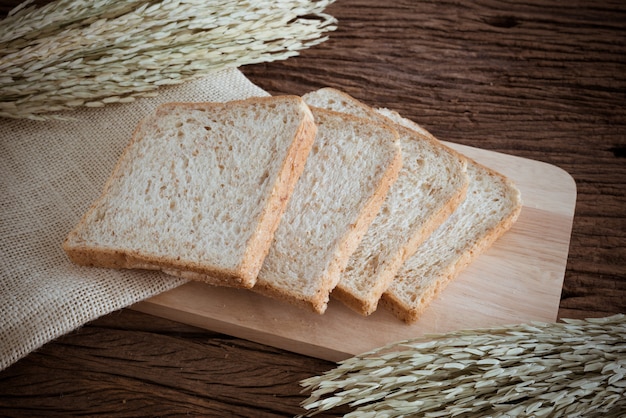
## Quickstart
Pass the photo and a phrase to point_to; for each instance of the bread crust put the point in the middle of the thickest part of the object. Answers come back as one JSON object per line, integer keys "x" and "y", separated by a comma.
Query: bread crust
{"x": 386, "y": 274}
{"x": 348, "y": 242}
{"x": 351, "y": 241}
{"x": 364, "y": 300}
{"x": 257, "y": 246}
{"x": 410, "y": 313}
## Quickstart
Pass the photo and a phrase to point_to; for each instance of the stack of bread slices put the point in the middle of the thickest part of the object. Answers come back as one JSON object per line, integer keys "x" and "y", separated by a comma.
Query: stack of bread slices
{"x": 297, "y": 198}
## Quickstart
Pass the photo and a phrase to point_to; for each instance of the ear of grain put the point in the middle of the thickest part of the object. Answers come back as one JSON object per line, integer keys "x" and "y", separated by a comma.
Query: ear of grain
{"x": 68, "y": 54}
{"x": 575, "y": 368}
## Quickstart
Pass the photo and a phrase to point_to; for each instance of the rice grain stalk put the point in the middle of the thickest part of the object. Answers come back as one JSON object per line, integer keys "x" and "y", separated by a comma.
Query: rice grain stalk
{"x": 570, "y": 369}
{"x": 95, "y": 52}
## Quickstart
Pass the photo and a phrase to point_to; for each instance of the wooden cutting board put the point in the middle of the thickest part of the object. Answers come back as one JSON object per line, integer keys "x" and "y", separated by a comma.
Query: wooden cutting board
{"x": 517, "y": 280}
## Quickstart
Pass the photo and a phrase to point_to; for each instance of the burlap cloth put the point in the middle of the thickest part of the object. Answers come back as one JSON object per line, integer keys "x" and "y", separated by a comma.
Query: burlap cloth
{"x": 50, "y": 172}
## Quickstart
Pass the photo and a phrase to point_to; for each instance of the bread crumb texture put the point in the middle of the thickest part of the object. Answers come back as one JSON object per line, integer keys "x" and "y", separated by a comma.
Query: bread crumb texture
{"x": 193, "y": 183}
{"x": 430, "y": 177}
{"x": 348, "y": 161}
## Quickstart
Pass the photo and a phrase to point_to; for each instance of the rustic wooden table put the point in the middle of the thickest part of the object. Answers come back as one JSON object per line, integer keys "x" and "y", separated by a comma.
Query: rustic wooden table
{"x": 545, "y": 80}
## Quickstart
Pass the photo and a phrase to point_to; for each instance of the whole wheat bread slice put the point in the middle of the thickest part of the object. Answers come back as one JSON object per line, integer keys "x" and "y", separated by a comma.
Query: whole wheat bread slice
{"x": 199, "y": 190}
{"x": 430, "y": 185}
{"x": 347, "y": 176}
{"x": 491, "y": 207}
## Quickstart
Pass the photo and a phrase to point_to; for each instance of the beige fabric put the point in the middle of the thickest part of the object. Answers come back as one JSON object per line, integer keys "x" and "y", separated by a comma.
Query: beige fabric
{"x": 50, "y": 172}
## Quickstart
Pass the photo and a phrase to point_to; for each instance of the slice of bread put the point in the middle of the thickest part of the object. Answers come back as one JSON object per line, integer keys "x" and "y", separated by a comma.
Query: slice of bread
{"x": 347, "y": 176}
{"x": 199, "y": 190}
{"x": 491, "y": 207}
{"x": 430, "y": 185}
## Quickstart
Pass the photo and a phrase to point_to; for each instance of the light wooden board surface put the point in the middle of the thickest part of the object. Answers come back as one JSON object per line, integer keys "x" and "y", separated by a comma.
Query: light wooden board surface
{"x": 518, "y": 279}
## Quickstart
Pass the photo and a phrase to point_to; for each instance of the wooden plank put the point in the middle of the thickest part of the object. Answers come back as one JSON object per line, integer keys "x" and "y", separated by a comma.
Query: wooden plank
{"x": 519, "y": 279}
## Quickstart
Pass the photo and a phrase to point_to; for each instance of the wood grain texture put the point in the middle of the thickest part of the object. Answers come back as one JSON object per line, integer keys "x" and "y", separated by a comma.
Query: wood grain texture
{"x": 153, "y": 368}
{"x": 541, "y": 79}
